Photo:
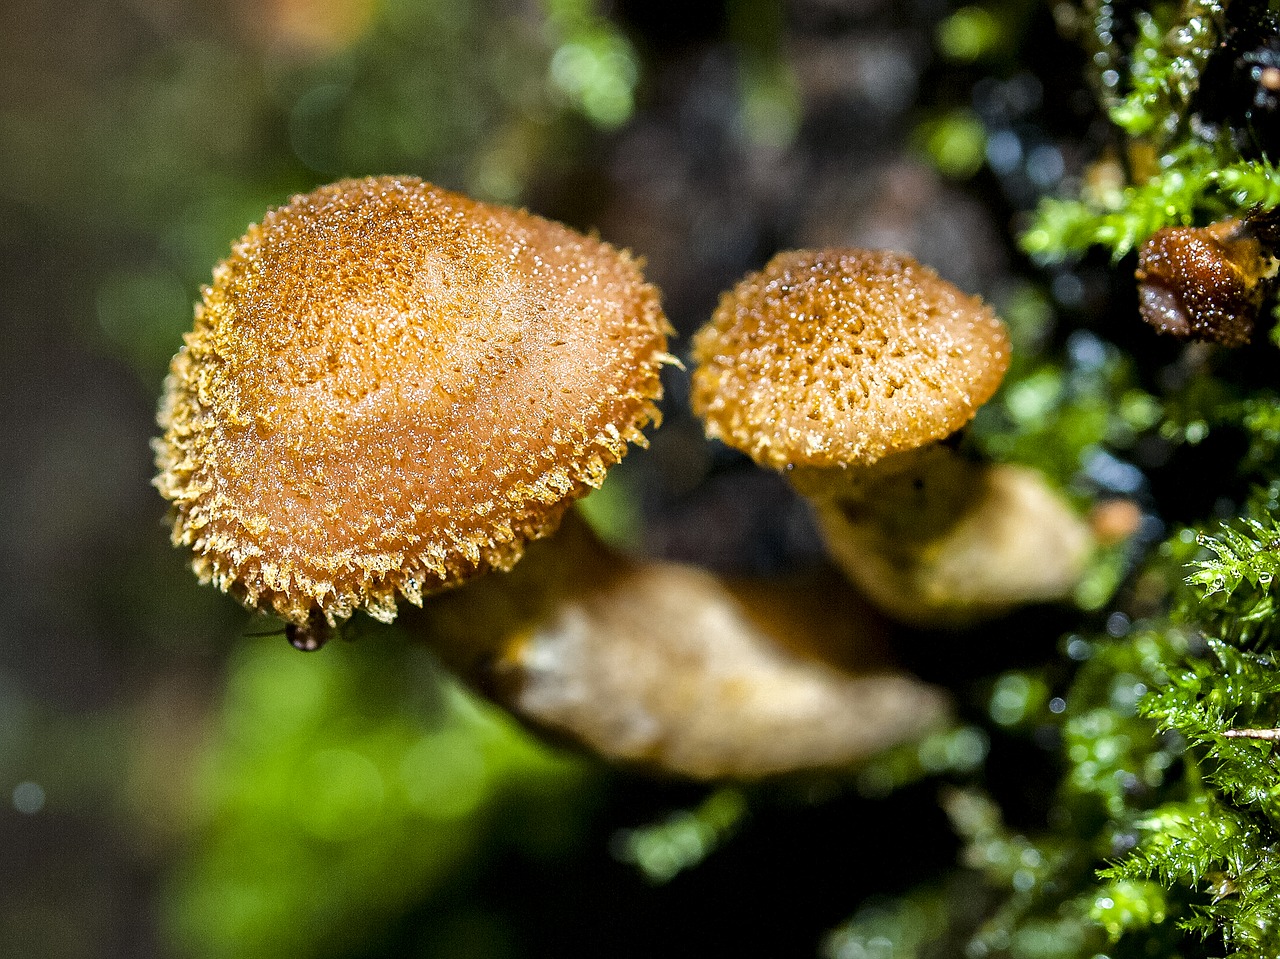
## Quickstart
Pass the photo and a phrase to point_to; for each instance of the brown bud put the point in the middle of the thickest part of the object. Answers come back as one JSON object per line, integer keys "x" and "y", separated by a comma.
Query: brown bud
{"x": 1203, "y": 283}
{"x": 1115, "y": 520}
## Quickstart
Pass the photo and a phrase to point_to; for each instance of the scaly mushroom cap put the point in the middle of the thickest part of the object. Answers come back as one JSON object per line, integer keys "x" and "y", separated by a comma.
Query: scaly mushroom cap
{"x": 838, "y": 357}
{"x": 391, "y": 388}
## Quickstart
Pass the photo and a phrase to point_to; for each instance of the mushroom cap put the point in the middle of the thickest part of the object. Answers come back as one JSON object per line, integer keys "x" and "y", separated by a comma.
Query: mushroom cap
{"x": 391, "y": 388}
{"x": 669, "y": 667}
{"x": 840, "y": 357}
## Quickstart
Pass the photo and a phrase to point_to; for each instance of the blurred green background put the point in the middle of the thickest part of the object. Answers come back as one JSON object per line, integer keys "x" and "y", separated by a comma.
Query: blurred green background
{"x": 170, "y": 786}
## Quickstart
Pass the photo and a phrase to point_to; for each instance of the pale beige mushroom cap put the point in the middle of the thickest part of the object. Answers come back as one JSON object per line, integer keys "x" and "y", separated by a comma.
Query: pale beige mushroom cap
{"x": 669, "y": 667}
{"x": 391, "y": 388}
{"x": 840, "y": 357}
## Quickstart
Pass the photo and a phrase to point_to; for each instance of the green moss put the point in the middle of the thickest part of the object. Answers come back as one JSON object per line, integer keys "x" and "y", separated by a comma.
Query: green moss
{"x": 342, "y": 788}
{"x": 1177, "y": 172}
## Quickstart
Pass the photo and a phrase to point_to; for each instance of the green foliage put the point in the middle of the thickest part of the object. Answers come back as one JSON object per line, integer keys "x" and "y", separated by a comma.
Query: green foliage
{"x": 339, "y": 790}
{"x": 1162, "y": 839}
{"x": 1069, "y": 417}
{"x": 906, "y": 928}
{"x": 1221, "y": 839}
{"x": 1166, "y": 826}
{"x": 1195, "y": 183}
{"x": 956, "y": 751}
{"x": 1242, "y": 556}
{"x": 683, "y": 839}
{"x": 1172, "y": 46}
{"x": 1055, "y": 413}
{"x": 594, "y": 67}
{"x": 1178, "y": 174}
{"x": 954, "y": 142}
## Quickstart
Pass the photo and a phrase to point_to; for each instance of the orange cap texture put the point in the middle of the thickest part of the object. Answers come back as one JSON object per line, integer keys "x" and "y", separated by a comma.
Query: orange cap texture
{"x": 391, "y": 388}
{"x": 830, "y": 358}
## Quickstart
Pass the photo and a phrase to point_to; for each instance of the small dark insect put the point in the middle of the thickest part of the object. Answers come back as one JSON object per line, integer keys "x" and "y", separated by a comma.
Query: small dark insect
{"x": 311, "y": 636}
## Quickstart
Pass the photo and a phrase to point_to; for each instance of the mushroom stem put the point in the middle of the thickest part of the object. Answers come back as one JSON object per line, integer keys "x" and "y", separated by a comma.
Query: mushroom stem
{"x": 915, "y": 493}
{"x": 676, "y": 669}
{"x": 936, "y": 539}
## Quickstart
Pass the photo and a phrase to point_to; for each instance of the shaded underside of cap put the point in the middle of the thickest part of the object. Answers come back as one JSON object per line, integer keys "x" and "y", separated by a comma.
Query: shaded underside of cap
{"x": 665, "y": 667}
{"x": 391, "y": 388}
{"x": 841, "y": 357}
{"x": 668, "y": 667}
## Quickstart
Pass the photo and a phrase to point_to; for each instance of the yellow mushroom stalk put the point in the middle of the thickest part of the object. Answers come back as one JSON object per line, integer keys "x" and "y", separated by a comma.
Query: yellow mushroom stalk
{"x": 390, "y": 389}
{"x": 849, "y": 369}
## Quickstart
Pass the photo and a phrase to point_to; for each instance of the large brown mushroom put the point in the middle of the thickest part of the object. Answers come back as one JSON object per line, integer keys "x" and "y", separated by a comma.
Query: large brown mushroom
{"x": 850, "y": 369}
{"x": 391, "y": 388}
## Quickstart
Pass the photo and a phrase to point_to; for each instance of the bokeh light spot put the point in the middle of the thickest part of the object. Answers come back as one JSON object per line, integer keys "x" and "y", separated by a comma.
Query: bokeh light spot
{"x": 28, "y": 798}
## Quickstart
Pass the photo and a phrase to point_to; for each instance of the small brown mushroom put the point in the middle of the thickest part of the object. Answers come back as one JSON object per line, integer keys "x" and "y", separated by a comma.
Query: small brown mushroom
{"x": 391, "y": 388}
{"x": 848, "y": 368}
{"x": 1203, "y": 283}
{"x": 674, "y": 669}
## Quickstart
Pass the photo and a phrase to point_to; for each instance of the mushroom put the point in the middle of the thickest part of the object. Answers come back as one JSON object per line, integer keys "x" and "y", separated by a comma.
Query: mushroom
{"x": 675, "y": 669}
{"x": 853, "y": 370}
{"x": 1205, "y": 283}
{"x": 390, "y": 389}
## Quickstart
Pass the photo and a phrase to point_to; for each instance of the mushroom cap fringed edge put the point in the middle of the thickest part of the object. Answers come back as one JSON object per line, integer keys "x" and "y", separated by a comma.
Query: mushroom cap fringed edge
{"x": 391, "y": 388}
{"x": 841, "y": 357}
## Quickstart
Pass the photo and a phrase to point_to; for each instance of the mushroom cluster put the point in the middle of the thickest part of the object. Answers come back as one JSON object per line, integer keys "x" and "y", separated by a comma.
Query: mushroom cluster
{"x": 392, "y": 389}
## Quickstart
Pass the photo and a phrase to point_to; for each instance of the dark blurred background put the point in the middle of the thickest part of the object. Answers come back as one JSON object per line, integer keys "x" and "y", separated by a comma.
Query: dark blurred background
{"x": 170, "y": 786}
